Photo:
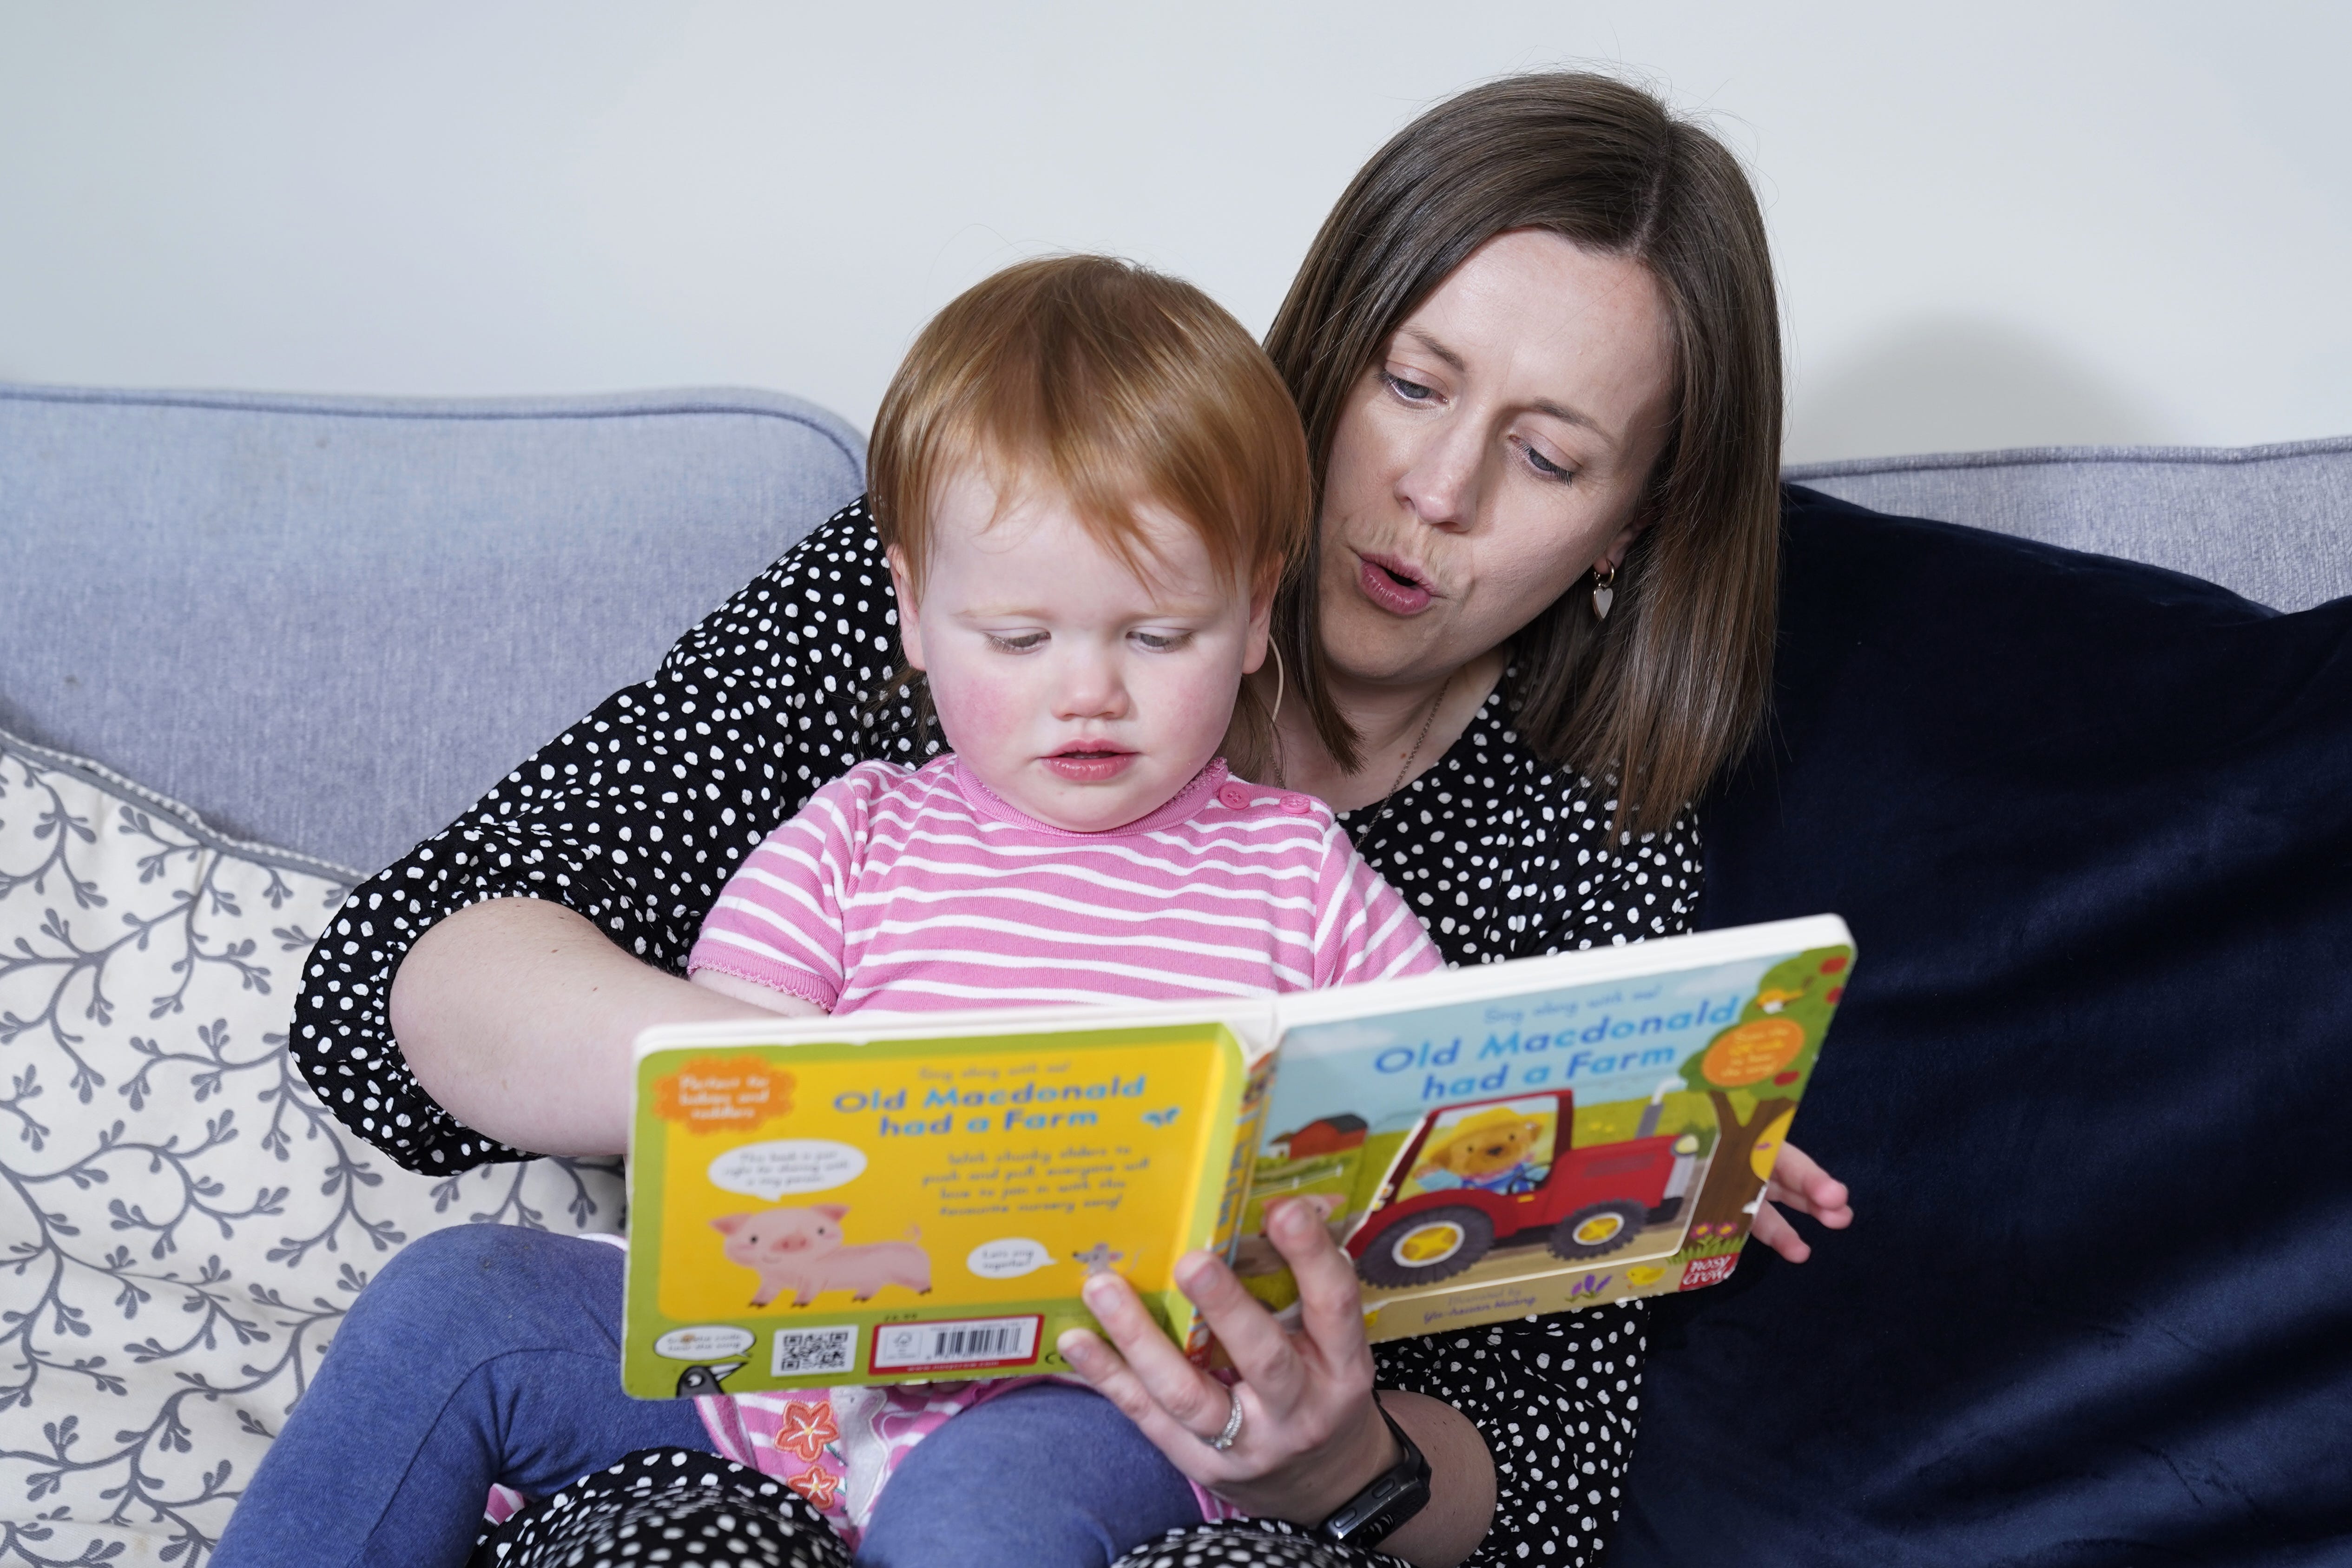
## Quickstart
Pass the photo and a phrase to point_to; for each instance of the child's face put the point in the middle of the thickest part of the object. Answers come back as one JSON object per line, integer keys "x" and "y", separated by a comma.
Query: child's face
{"x": 1085, "y": 696}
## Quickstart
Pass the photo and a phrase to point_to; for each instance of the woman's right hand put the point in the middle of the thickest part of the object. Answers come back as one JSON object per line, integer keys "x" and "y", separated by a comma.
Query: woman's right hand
{"x": 1311, "y": 1436}
{"x": 519, "y": 1018}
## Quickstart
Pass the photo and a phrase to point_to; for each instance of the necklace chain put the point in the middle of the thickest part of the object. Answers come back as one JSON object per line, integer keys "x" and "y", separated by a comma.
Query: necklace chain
{"x": 1428, "y": 721}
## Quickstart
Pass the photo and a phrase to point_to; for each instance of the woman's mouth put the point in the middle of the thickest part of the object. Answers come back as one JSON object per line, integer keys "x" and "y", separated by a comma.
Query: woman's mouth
{"x": 1393, "y": 585}
{"x": 1096, "y": 763}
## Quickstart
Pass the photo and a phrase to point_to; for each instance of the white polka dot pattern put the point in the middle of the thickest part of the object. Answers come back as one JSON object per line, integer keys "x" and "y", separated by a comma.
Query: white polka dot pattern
{"x": 636, "y": 815}
{"x": 666, "y": 1506}
{"x": 1558, "y": 1400}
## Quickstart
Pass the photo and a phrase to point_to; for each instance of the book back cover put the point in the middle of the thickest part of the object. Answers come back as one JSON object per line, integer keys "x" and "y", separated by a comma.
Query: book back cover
{"x": 851, "y": 1211}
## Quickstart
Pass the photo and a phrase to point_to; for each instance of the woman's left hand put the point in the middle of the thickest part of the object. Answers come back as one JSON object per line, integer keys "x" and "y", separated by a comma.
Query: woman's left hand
{"x": 1310, "y": 1436}
{"x": 1800, "y": 1183}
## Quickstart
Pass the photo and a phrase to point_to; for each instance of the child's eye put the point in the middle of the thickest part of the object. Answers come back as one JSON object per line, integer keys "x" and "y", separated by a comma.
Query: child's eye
{"x": 1163, "y": 642}
{"x": 1409, "y": 390}
{"x": 1016, "y": 642}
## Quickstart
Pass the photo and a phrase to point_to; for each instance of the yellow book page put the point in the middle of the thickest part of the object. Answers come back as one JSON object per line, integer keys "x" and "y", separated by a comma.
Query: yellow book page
{"x": 907, "y": 1180}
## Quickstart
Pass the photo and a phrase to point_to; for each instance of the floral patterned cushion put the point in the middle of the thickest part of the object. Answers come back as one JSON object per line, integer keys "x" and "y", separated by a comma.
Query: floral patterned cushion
{"x": 183, "y": 1224}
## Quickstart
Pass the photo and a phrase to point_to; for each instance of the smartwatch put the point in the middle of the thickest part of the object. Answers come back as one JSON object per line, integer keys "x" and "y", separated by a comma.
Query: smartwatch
{"x": 1395, "y": 1495}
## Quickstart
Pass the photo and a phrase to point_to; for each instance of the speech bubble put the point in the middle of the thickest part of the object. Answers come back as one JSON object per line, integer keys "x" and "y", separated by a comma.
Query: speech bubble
{"x": 707, "y": 1343}
{"x": 1008, "y": 1258}
{"x": 787, "y": 1165}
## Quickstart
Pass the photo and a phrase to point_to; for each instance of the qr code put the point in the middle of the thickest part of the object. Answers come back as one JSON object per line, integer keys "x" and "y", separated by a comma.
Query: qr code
{"x": 800, "y": 1352}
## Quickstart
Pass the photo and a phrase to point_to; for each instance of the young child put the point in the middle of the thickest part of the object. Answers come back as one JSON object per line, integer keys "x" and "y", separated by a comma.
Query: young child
{"x": 1090, "y": 480}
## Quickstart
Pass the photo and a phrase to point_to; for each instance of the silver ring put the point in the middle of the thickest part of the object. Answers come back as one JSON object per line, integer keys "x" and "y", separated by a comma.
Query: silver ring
{"x": 1226, "y": 1438}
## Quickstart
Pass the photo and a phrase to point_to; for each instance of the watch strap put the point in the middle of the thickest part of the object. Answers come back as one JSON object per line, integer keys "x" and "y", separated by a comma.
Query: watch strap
{"x": 1393, "y": 1496}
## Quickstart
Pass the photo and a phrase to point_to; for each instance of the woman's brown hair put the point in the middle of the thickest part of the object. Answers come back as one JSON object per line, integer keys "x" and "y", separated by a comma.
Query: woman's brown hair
{"x": 1672, "y": 684}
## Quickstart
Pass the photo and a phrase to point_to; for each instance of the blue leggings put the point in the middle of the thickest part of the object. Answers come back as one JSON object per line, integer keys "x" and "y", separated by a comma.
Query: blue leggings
{"x": 490, "y": 1353}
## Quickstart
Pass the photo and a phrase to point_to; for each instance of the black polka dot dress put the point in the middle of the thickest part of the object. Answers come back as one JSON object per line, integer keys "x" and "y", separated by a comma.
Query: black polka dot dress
{"x": 636, "y": 815}
{"x": 660, "y": 1506}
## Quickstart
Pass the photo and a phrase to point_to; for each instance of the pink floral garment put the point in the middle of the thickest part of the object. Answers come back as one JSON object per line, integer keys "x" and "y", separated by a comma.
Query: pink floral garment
{"x": 837, "y": 1447}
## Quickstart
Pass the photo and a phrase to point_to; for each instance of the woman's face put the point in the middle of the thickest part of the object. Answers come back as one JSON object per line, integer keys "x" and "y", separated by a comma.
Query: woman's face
{"x": 1497, "y": 448}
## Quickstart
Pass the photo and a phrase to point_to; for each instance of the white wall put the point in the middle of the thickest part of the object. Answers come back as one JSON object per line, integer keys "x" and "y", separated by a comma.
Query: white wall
{"x": 1998, "y": 223}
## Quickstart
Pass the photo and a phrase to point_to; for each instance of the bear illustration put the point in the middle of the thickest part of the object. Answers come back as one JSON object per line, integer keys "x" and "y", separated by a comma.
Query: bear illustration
{"x": 1489, "y": 1151}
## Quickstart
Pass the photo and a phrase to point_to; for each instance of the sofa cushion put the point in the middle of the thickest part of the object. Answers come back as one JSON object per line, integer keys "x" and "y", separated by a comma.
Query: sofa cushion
{"x": 2091, "y": 823}
{"x": 331, "y": 623}
{"x": 2273, "y": 523}
{"x": 182, "y": 1224}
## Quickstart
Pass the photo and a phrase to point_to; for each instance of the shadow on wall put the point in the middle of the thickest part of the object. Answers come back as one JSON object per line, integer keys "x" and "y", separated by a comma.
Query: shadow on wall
{"x": 1957, "y": 384}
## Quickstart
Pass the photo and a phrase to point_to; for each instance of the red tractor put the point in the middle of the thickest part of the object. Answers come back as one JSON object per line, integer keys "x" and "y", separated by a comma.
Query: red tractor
{"x": 1469, "y": 1181}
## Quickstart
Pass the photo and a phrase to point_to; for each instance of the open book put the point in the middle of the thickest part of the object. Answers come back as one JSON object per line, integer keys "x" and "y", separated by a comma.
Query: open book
{"x": 889, "y": 1199}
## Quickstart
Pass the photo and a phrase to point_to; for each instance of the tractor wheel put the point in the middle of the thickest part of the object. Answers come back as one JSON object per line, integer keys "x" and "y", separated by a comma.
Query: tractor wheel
{"x": 1435, "y": 1244}
{"x": 1596, "y": 1231}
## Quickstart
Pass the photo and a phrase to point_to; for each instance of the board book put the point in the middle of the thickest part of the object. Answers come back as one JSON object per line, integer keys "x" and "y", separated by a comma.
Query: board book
{"x": 889, "y": 1199}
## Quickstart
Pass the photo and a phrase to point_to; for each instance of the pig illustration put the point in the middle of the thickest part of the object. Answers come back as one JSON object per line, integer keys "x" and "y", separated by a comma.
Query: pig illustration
{"x": 801, "y": 1250}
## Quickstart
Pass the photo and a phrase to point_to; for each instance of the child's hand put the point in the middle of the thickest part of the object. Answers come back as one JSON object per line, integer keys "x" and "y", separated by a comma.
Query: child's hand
{"x": 1801, "y": 1184}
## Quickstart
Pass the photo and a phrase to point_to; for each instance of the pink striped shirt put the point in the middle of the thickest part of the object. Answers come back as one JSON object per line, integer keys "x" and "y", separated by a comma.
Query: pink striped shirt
{"x": 917, "y": 890}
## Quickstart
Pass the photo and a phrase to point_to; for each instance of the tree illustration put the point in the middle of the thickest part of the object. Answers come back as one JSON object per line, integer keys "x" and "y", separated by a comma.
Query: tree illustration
{"x": 1753, "y": 1073}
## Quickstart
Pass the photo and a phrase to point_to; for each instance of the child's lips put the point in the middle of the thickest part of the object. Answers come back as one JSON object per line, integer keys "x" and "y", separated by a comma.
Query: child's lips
{"x": 1090, "y": 764}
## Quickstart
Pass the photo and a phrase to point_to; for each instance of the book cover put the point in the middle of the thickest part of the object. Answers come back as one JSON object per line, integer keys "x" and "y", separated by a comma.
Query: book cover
{"x": 891, "y": 1199}
{"x": 813, "y": 1204}
{"x": 1549, "y": 1134}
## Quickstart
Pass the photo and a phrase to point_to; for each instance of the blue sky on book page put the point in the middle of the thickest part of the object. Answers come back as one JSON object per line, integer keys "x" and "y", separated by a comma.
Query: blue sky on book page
{"x": 1608, "y": 1040}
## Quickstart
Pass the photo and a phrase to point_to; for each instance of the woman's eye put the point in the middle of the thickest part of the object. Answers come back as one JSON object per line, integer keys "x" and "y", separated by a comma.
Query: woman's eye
{"x": 1016, "y": 642}
{"x": 1411, "y": 391}
{"x": 1547, "y": 467}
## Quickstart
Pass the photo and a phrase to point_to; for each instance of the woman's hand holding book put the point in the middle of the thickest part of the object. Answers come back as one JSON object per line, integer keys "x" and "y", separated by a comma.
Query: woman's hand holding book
{"x": 1310, "y": 1436}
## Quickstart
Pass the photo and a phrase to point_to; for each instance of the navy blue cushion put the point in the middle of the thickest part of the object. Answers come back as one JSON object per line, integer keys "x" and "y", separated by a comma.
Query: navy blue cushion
{"x": 2091, "y": 823}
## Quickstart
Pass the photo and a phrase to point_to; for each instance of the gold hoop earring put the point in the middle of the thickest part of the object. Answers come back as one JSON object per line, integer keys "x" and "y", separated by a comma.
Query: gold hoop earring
{"x": 1604, "y": 591}
{"x": 1274, "y": 717}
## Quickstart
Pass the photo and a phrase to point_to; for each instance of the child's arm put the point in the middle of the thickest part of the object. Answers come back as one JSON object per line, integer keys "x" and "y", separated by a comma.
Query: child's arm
{"x": 741, "y": 990}
{"x": 1368, "y": 931}
{"x": 775, "y": 938}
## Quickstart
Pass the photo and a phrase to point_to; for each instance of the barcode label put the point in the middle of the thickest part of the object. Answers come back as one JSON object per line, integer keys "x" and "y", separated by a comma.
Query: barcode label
{"x": 964, "y": 1342}
{"x": 800, "y": 1352}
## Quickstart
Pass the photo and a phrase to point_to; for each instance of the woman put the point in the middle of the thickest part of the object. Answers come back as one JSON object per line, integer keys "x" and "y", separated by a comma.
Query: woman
{"x": 1537, "y": 353}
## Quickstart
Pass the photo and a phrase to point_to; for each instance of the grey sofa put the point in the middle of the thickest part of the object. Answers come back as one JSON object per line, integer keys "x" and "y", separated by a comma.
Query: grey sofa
{"x": 237, "y": 600}
{"x": 330, "y": 623}
{"x": 294, "y": 634}
{"x": 325, "y": 625}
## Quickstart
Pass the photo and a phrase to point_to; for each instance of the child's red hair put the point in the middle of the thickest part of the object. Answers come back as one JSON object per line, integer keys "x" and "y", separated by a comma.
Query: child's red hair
{"x": 1116, "y": 385}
